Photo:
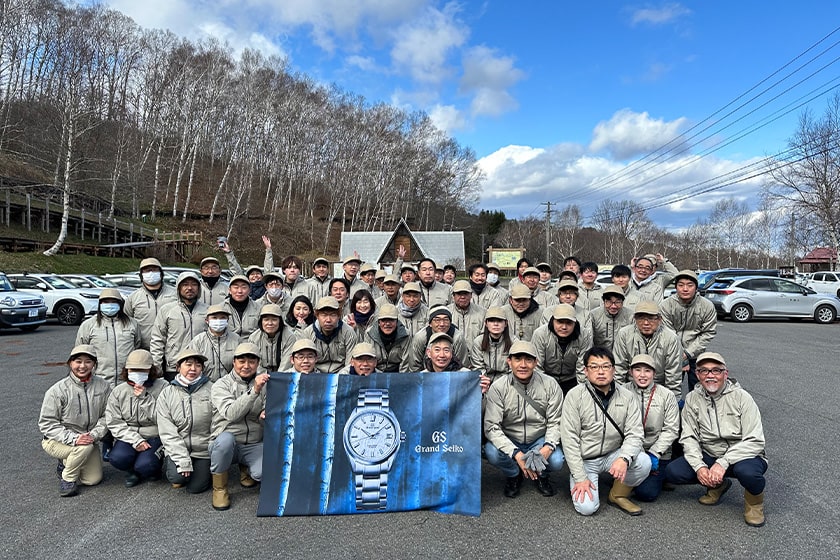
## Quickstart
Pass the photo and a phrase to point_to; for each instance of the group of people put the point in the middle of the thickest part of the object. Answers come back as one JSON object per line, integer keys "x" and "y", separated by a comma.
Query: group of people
{"x": 170, "y": 380}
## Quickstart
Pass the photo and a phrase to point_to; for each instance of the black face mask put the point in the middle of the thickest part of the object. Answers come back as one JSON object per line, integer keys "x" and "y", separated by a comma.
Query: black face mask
{"x": 210, "y": 280}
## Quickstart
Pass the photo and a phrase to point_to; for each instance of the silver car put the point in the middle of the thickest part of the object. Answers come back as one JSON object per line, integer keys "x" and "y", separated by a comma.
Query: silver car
{"x": 761, "y": 296}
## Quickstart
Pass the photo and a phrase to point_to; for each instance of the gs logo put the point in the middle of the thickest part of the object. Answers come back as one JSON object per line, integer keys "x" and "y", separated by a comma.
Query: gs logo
{"x": 438, "y": 437}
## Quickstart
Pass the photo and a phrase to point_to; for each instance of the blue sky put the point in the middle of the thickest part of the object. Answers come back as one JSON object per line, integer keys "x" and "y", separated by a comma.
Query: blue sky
{"x": 554, "y": 96}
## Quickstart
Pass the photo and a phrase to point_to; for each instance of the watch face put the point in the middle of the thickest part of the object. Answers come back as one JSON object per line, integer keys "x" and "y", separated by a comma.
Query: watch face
{"x": 371, "y": 437}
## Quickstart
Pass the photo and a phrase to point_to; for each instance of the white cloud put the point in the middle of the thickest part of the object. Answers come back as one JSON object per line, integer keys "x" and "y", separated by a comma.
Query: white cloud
{"x": 364, "y": 63}
{"x": 488, "y": 76}
{"x": 659, "y": 16}
{"x": 447, "y": 118}
{"x": 422, "y": 46}
{"x": 629, "y": 134}
{"x": 519, "y": 178}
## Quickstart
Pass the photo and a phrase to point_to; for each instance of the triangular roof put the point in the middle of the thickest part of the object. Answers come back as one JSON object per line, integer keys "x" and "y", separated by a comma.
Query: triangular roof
{"x": 376, "y": 246}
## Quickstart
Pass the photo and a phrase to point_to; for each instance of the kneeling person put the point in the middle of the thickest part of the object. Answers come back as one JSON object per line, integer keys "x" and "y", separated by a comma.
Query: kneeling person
{"x": 238, "y": 404}
{"x": 522, "y": 419}
{"x": 722, "y": 436}
{"x": 601, "y": 430}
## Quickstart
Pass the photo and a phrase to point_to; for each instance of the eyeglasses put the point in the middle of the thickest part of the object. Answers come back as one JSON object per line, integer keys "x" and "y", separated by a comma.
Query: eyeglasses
{"x": 640, "y": 267}
{"x": 599, "y": 367}
{"x": 714, "y": 371}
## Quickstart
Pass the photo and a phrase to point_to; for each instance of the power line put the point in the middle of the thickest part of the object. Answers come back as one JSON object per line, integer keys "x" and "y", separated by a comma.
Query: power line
{"x": 651, "y": 160}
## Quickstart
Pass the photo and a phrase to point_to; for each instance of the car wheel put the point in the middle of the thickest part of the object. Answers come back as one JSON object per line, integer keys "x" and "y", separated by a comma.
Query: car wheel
{"x": 30, "y": 328}
{"x": 741, "y": 313}
{"x": 825, "y": 314}
{"x": 69, "y": 313}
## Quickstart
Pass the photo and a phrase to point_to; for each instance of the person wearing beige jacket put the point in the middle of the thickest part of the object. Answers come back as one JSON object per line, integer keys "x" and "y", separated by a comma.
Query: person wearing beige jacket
{"x": 601, "y": 431}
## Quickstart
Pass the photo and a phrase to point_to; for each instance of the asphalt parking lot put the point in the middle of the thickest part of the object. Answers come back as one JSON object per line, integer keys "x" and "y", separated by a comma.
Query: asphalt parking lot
{"x": 790, "y": 368}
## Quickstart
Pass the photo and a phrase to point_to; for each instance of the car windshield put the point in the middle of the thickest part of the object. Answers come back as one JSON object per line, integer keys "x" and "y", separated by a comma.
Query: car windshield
{"x": 5, "y": 285}
{"x": 704, "y": 277}
{"x": 100, "y": 282}
{"x": 58, "y": 283}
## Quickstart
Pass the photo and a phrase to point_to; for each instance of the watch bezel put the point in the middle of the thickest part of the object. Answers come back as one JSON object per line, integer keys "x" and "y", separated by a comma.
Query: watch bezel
{"x": 392, "y": 448}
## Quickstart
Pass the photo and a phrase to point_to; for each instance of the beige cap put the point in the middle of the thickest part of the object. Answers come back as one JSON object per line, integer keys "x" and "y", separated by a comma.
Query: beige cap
{"x": 523, "y": 347}
{"x": 302, "y": 344}
{"x": 218, "y": 308}
{"x": 564, "y": 311}
{"x": 271, "y": 309}
{"x": 612, "y": 290}
{"x": 493, "y": 266}
{"x": 711, "y": 357}
{"x": 188, "y": 275}
{"x": 643, "y": 359}
{"x": 206, "y": 260}
{"x": 367, "y": 267}
{"x": 327, "y": 302}
{"x": 239, "y": 278}
{"x": 461, "y": 286}
{"x": 88, "y": 349}
{"x": 520, "y": 291}
{"x": 351, "y": 258}
{"x": 271, "y": 276}
{"x": 531, "y": 270}
{"x": 495, "y": 312}
{"x": 190, "y": 353}
{"x": 380, "y": 274}
{"x": 646, "y": 307}
{"x": 543, "y": 265}
{"x": 567, "y": 284}
{"x": 253, "y": 268}
{"x": 150, "y": 261}
{"x": 411, "y": 287}
{"x": 651, "y": 257}
{"x": 408, "y": 266}
{"x": 440, "y": 336}
{"x": 363, "y": 349}
{"x": 247, "y": 349}
{"x": 139, "y": 359}
{"x": 387, "y": 311}
{"x": 110, "y": 293}
{"x": 391, "y": 279}
{"x": 689, "y": 274}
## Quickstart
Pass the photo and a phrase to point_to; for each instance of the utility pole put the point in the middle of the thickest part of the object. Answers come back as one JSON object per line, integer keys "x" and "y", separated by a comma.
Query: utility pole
{"x": 547, "y": 231}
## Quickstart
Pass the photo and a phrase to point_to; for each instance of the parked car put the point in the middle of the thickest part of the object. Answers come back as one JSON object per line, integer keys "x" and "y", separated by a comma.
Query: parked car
{"x": 824, "y": 282}
{"x": 20, "y": 310}
{"x": 171, "y": 273}
{"x": 762, "y": 296}
{"x": 129, "y": 280}
{"x": 93, "y": 281}
{"x": 64, "y": 301}
{"x": 706, "y": 279}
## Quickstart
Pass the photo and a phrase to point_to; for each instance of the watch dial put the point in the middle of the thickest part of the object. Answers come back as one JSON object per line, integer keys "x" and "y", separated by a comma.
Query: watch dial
{"x": 372, "y": 436}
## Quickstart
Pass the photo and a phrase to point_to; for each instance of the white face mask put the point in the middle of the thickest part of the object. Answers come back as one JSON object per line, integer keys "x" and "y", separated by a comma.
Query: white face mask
{"x": 218, "y": 325}
{"x": 492, "y": 278}
{"x": 109, "y": 309}
{"x": 151, "y": 278}
{"x": 138, "y": 377}
{"x": 274, "y": 293}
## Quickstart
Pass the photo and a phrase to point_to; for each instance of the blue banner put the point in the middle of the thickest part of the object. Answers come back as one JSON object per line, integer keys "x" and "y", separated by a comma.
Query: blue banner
{"x": 337, "y": 444}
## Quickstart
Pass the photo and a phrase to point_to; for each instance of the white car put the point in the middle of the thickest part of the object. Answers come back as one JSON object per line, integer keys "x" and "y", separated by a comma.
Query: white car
{"x": 93, "y": 281}
{"x": 65, "y": 302}
{"x": 824, "y": 282}
{"x": 20, "y": 310}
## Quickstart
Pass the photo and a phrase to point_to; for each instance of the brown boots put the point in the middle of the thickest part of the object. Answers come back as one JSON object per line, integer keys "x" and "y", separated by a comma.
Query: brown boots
{"x": 221, "y": 499}
{"x": 620, "y": 498}
{"x": 754, "y": 509}
{"x": 713, "y": 495}
{"x": 245, "y": 479}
